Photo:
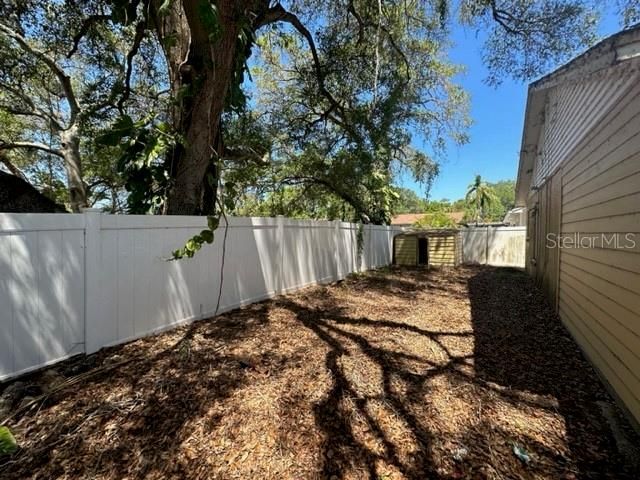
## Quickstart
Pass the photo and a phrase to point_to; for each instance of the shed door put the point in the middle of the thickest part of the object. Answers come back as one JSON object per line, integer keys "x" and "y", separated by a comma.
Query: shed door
{"x": 423, "y": 251}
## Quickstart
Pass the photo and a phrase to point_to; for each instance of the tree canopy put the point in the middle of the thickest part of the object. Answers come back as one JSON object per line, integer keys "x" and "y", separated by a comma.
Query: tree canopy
{"x": 146, "y": 105}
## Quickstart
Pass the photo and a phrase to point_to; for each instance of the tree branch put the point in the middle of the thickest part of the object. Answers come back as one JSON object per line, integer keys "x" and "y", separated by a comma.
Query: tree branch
{"x": 331, "y": 187}
{"x": 84, "y": 29}
{"x": 63, "y": 78}
{"x": 137, "y": 40}
{"x": 28, "y": 113}
{"x": 277, "y": 13}
{"x": 11, "y": 167}
{"x": 30, "y": 146}
{"x": 352, "y": 10}
{"x": 32, "y": 109}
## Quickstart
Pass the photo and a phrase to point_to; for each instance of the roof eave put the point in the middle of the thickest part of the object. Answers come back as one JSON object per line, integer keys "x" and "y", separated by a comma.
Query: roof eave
{"x": 533, "y": 121}
{"x": 622, "y": 46}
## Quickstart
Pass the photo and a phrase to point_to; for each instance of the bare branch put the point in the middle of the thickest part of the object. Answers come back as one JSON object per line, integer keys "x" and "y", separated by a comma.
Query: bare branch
{"x": 63, "y": 78}
{"x": 31, "y": 110}
{"x": 11, "y": 167}
{"x": 84, "y": 29}
{"x": 30, "y": 146}
{"x": 361, "y": 25}
{"x": 30, "y": 113}
{"x": 137, "y": 40}
{"x": 279, "y": 14}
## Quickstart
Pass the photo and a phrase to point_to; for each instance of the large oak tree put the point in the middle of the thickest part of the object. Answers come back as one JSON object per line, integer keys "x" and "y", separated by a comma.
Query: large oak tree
{"x": 206, "y": 45}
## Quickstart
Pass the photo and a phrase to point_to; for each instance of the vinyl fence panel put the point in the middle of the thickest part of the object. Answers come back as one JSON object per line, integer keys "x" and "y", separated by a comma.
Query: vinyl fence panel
{"x": 497, "y": 246}
{"x": 76, "y": 283}
{"x": 41, "y": 290}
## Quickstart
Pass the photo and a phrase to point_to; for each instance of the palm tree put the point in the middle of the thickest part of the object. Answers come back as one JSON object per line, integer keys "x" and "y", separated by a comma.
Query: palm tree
{"x": 480, "y": 195}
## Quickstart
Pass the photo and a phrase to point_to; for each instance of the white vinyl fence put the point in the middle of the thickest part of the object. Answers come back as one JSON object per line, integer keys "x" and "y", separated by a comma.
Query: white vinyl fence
{"x": 76, "y": 283}
{"x": 498, "y": 246}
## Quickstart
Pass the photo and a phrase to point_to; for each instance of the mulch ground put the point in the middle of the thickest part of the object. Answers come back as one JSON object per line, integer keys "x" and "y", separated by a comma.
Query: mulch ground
{"x": 463, "y": 373}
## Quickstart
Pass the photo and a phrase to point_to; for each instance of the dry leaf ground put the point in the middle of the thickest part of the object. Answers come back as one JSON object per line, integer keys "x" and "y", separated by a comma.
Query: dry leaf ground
{"x": 392, "y": 374}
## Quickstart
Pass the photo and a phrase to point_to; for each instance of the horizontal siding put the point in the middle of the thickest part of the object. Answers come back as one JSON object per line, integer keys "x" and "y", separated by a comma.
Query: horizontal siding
{"x": 621, "y": 278}
{"x": 617, "y": 306}
{"x": 621, "y": 117}
{"x": 622, "y": 177}
{"x": 600, "y": 355}
{"x": 622, "y": 205}
{"x": 599, "y": 288}
{"x": 626, "y": 358}
{"x": 612, "y": 224}
{"x": 573, "y": 111}
{"x": 442, "y": 251}
{"x": 406, "y": 250}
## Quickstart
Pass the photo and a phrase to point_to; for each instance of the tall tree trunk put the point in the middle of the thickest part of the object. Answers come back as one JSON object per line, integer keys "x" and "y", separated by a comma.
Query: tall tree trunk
{"x": 70, "y": 148}
{"x": 191, "y": 162}
{"x": 202, "y": 66}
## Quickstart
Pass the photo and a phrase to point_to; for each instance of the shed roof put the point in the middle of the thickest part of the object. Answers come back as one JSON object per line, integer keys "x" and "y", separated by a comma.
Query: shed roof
{"x": 615, "y": 50}
{"x": 441, "y": 232}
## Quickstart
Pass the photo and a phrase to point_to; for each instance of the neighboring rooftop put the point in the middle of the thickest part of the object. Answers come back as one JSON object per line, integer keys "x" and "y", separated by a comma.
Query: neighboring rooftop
{"x": 17, "y": 196}
{"x": 411, "y": 218}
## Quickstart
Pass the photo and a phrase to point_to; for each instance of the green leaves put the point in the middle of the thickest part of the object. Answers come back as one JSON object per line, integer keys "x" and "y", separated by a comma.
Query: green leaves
{"x": 206, "y": 236}
{"x": 122, "y": 127}
{"x": 8, "y": 443}
{"x": 144, "y": 147}
{"x": 213, "y": 222}
{"x": 195, "y": 243}
{"x": 480, "y": 196}
{"x": 356, "y": 147}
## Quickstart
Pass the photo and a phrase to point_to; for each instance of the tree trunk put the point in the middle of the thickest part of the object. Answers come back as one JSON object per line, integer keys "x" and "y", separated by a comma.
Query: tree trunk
{"x": 70, "y": 148}
{"x": 193, "y": 160}
{"x": 202, "y": 67}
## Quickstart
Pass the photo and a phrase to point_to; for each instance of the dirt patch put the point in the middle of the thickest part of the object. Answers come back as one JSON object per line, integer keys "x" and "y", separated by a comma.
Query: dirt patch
{"x": 462, "y": 373}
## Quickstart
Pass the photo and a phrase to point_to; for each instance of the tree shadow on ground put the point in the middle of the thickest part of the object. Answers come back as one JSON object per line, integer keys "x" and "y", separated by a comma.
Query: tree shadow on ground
{"x": 409, "y": 282}
{"x": 142, "y": 432}
{"x": 521, "y": 356}
{"x": 342, "y": 448}
{"x": 480, "y": 339}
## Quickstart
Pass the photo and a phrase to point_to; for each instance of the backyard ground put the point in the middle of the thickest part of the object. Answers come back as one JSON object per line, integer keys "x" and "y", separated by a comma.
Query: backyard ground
{"x": 447, "y": 374}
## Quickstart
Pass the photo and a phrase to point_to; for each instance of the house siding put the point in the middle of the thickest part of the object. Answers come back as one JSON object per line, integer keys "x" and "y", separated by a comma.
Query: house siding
{"x": 571, "y": 112}
{"x": 590, "y": 185}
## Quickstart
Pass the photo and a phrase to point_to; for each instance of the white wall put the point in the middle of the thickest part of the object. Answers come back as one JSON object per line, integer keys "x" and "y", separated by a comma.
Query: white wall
{"x": 76, "y": 283}
{"x": 498, "y": 246}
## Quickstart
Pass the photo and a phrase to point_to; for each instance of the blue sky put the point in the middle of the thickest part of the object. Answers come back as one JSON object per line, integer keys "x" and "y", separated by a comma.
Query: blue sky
{"x": 498, "y": 116}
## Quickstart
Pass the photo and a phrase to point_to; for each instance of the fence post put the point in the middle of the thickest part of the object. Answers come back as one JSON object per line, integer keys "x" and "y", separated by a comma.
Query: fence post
{"x": 92, "y": 333}
{"x": 336, "y": 247}
{"x": 280, "y": 282}
{"x": 486, "y": 246}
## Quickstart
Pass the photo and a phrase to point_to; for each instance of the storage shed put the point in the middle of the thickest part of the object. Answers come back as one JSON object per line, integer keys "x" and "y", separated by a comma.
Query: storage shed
{"x": 429, "y": 248}
{"x": 579, "y": 180}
